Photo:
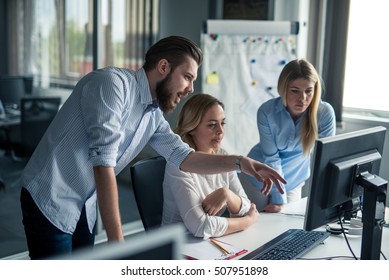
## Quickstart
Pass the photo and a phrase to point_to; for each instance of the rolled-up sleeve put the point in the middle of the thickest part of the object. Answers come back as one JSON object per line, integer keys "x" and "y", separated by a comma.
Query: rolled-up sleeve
{"x": 102, "y": 103}
{"x": 187, "y": 196}
{"x": 169, "y": 145}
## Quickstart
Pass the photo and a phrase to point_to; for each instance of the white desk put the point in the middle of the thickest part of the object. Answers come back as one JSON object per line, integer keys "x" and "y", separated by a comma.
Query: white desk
{"x": 9, "y": 121}
{"x": 269, "y": 225}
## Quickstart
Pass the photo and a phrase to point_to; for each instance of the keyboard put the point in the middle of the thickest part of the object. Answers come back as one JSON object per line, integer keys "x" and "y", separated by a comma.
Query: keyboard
{"x": 289, "y": 245}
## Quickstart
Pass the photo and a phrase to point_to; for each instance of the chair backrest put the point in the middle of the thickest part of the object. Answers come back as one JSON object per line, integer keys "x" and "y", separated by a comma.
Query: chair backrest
{"x": 147, "y": 179}
{"x": 36, "y": 116}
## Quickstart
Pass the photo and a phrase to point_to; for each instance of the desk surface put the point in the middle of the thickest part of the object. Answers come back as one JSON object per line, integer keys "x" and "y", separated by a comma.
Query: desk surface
{"x": 269, "y": 225}
{"x": 10, "y": 120}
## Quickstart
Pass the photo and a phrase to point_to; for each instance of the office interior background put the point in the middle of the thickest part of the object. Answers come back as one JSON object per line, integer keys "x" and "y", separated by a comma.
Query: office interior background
{"x": 56, "y": 42}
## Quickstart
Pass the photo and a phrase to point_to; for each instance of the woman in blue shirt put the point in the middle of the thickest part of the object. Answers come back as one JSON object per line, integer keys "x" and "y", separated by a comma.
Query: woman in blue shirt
{"x": 288, "y": 127}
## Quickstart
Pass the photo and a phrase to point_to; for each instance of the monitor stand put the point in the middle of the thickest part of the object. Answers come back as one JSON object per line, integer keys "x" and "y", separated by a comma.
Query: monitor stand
{"x": 373, "y": 214}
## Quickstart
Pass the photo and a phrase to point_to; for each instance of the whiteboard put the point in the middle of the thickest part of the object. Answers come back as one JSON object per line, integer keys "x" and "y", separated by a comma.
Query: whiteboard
{"x": 242, "y": 70}
{"x": 253, "y": 27}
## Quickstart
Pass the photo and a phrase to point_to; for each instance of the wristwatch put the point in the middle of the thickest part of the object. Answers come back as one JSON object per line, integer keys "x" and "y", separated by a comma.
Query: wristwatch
{"x": 237, "y": 162}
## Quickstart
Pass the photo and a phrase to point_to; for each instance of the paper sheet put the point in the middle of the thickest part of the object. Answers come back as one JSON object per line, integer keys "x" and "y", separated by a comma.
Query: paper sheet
{"x": 200, "y": 249}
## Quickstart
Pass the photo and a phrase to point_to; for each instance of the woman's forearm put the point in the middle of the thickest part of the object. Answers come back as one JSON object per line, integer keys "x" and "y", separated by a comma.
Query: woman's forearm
{"x": 239, "y": 224}
{"x": 242, "y": 223}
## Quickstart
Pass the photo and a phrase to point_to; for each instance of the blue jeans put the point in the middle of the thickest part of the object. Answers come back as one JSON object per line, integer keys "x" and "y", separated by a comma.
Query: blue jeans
{"x": 44, "y": 240}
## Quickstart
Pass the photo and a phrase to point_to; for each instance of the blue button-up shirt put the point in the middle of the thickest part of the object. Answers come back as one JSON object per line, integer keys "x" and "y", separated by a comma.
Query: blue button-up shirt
{"x": 99, "y": 124}
{"x": 280, "y": 146}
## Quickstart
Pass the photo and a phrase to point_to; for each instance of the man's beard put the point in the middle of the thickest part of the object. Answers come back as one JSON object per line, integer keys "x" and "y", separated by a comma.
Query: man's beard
{"x": 164, "y": 95}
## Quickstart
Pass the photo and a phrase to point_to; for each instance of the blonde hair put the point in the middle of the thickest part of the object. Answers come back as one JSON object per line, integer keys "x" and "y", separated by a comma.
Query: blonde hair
{"x": 191, "y": 114}
{"x": 297, "y": 69}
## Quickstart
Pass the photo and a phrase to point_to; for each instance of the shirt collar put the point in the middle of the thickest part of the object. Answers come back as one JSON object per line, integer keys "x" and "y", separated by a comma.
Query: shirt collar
{"x": 155, "y": 103}
{"x": 144, "y": 88}
{"x": 279, "y": 106}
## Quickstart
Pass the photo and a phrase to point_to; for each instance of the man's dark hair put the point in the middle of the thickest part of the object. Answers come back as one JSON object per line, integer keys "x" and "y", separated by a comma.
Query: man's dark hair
{"x": 175, "y": 49}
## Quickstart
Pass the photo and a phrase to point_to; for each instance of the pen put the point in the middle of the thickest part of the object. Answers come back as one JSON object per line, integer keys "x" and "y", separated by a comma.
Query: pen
{"x": 219, "y": 246}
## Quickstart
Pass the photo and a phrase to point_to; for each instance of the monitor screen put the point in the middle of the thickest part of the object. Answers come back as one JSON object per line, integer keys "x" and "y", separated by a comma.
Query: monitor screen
{"x": 337, "y": 162}
{"x": 12, "y": 89}
{"x": 164, "y": 243}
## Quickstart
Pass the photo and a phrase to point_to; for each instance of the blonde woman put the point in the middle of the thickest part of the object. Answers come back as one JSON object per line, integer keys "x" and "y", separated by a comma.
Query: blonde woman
{"x": 288, "y": 127}
{"x": 199, "y": 200}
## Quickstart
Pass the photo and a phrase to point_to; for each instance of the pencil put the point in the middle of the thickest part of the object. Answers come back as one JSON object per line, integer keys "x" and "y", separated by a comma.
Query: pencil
{"x": 224, "y": 250}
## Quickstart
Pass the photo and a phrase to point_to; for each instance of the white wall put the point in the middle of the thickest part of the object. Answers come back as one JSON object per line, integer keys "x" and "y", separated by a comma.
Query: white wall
{"x": 295, "y": 10}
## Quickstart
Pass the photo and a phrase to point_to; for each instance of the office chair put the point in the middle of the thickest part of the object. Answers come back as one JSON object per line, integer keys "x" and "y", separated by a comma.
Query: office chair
{"x": 12, "y": 89}
{"x": 36, "y": 116}
{"x": 147, "y": 178}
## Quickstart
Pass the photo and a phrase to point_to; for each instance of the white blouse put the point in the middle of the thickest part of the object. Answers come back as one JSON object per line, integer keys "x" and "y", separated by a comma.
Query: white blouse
{"x": 183, "y": 193}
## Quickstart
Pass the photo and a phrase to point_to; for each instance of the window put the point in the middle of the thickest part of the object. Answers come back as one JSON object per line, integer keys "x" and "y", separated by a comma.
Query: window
{"x": 60, "y": 37}
{"x": 58, "y": 40}
{"x": 130, "y": 27}
{"x": 367, "y": 59}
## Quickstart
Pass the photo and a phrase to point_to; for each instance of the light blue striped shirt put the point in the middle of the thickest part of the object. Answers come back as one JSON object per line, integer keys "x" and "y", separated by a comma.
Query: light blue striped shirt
{"x": 99, "y": 124}
{"x": 280, "y": 145}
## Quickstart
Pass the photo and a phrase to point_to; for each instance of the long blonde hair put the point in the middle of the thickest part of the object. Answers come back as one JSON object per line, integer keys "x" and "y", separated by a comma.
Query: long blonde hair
{"x": 191, "y": 114}
{"x": 296, "y": 69}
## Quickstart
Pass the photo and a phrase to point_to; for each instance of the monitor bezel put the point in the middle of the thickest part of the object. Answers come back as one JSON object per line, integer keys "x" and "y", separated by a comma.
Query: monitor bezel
{"x": 137, "y": 246}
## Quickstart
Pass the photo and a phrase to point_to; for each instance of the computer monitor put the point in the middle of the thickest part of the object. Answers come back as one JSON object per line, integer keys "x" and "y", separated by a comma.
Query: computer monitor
{"x": 12, "y": 89}
{"x": 344, "y": 178}
{"x": 164, "y": 243}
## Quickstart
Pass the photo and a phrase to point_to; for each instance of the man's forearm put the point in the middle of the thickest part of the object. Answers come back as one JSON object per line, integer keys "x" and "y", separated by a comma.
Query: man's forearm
{"x": 203, "y": 163}
{"x": 108, "y": 202}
